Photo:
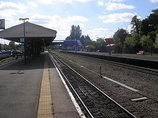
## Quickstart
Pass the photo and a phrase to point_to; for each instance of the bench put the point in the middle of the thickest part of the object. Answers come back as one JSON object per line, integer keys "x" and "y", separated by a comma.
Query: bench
{"x": 141, "y": 52}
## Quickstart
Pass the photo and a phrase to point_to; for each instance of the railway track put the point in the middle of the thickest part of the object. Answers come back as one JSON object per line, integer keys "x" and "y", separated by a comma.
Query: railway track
{"x": 127, "y": 66}
{"x": 133, "y": 67}
{"x": 93, "y": 102}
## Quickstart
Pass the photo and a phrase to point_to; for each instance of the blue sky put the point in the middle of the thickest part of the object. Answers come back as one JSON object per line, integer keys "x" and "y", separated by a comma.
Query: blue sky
{"x": 96, "y": 18}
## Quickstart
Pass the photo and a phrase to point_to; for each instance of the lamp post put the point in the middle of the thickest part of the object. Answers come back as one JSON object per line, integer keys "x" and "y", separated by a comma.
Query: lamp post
{"x": 25, "y": 46}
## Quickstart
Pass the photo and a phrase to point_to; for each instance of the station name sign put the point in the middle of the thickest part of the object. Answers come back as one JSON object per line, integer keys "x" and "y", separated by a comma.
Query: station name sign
{"x": 2, "y": 23}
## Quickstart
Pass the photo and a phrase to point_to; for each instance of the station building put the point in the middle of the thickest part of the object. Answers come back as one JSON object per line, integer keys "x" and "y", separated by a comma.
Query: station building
{"x": 34, "y": 37}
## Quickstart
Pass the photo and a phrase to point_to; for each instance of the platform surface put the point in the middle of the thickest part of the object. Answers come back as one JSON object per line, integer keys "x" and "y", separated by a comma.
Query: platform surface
{"x": 20, "y": 89}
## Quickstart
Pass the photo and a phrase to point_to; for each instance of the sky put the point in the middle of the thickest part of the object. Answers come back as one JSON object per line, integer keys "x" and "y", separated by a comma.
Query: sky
{"x": 96, "y": 18}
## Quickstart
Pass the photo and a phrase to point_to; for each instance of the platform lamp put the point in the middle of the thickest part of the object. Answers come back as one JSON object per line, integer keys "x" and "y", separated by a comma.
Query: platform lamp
{"x": 25, "y": 46}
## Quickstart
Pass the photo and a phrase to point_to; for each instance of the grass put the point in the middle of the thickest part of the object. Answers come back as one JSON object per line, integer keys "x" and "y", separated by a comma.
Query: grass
{"x": 3, "y": 61}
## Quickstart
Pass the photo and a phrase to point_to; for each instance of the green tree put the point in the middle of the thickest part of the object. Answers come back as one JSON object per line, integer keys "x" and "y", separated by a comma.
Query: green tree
{"x": 12, "y": 45}
{"x": 150, "y": 23}
{"x": 145, "y": 27}
{"x": 153, "y": 19}
{"x": 132, "y": 43}
{"x": 135, "y": 22}
{"x": 100, "y": 45}
{"x": 152, "y": 35}
{"x": 75, "y": 33}
{"x": 147, "y": 43}
{"x": 119, "y": 38}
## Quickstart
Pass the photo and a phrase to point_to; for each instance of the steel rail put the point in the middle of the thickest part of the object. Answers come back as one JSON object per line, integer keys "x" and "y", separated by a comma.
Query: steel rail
{"x": 130, "y": 67}
{"x": 126, "y": 111}
{"x": 127, "y": 66}
{"x": 81, "y": 103}
{"x": 133, "y": 67}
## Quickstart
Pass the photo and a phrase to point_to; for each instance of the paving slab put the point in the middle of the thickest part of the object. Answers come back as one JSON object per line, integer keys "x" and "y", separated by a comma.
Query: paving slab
{"x": 20, "y": 89}
{"x": 63, "y": 106}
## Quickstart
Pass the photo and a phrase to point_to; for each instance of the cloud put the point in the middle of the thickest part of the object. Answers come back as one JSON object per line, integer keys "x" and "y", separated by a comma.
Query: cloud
{"x": 118, "y": 17}
{"x": 99, "y": 32}
{"x": 116, "y": 6}
{"x": 62, "y": 25}
{"x": 77, "y": 18}
{"x": 56, "y": 21}
{"x": 111, "y": 5}
{"x": 82, "y": 0}
{"x": 47, "y": 1}
{"x": 32, "y": 4}
{"x": 11, "y": 9}
{"x": 116, "y": 0}
{"x": 153, "y": 1}
{"x": 101, "y": 3}
{"x": 65, "y": 1}
{"x": 129, "y": 28}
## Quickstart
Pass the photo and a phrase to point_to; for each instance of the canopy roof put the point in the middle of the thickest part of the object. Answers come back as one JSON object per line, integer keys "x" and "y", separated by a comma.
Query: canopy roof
{"x": 34, "y": 33}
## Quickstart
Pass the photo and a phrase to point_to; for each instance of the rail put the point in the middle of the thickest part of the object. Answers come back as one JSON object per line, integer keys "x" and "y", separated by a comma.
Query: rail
{"x": 93, "y": 101}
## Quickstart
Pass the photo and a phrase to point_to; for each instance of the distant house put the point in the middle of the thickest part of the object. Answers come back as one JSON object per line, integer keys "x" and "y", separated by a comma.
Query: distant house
{"x": 112, "y": 48}
{"x": 74, "y": 45}
{"x": 109, "y": 40}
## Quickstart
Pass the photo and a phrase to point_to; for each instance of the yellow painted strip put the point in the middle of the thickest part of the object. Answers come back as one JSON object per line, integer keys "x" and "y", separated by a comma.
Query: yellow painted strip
{"x": 45, "y": 102}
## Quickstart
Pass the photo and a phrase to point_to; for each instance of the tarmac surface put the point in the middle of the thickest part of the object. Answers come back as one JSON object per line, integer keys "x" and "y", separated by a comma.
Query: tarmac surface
{"x": 20, "y": 89}
{"x": 21, "y": 86}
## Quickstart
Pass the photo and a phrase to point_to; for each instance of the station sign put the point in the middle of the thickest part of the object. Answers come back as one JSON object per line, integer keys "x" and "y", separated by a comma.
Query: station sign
{"x": 22, "y": 40}
{"x": 2, "y": 23}
{"x": 157, "y": 38}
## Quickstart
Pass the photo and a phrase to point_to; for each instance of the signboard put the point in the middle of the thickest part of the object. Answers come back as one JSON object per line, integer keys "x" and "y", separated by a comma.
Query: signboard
{"x": 157, "y": 38}
{"x": 109, "y": 40}
{"x": 22, "y": 40}
{"x": 2, "y": 23}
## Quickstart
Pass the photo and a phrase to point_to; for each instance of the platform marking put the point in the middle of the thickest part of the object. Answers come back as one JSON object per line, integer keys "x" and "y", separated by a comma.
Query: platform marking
{"x": 69, "y": 92}
{"x": 45, "y": 102}
{"x": 121, "y": 84}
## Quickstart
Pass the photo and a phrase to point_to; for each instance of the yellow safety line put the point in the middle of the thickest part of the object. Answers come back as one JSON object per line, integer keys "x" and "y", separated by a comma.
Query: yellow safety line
{"x": 45, "y": 102}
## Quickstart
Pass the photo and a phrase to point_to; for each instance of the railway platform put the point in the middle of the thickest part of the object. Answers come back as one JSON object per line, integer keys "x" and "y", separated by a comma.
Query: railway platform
{"x": 132, "y": 56}
{"x": 34, "y": 90}
{"x": 136, "y": 60}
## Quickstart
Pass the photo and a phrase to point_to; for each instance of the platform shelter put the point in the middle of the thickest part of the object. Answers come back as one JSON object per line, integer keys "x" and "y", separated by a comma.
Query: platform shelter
{"x": 36, "y": 36}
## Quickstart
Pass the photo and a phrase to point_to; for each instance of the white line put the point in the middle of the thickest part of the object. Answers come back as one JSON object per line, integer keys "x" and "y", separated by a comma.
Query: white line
{"x": 128, "y": 87}
{"x": 70, "y": 94}
{"x": 123, "y": 85}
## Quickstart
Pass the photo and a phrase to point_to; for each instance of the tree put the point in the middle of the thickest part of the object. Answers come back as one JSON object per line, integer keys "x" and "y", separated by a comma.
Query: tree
{"x": 100, "y": 45}
{"x": 147, "y": 43}
{"x": 75, "y": 33}
{"x": 150, "y": 23}
{"x": 119, "y": 38}
{"x": 144, "y": 29}
{"x": 153, "y": 19}
{"x": 132, "y": 43}
{"x": 12, "y": 44}
{"x": 135, "y": 22}
{"x": 156, "y": 42}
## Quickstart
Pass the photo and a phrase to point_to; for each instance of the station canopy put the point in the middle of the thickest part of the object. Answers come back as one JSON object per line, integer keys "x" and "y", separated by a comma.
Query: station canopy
{"x": 33, "y": 33}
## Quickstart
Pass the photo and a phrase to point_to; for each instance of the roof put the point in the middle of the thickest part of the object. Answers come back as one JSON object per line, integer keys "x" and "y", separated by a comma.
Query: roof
{"x": 72, "y": 43}
{"x": 109, "y": 40}
{"x": 32, "y": 31}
